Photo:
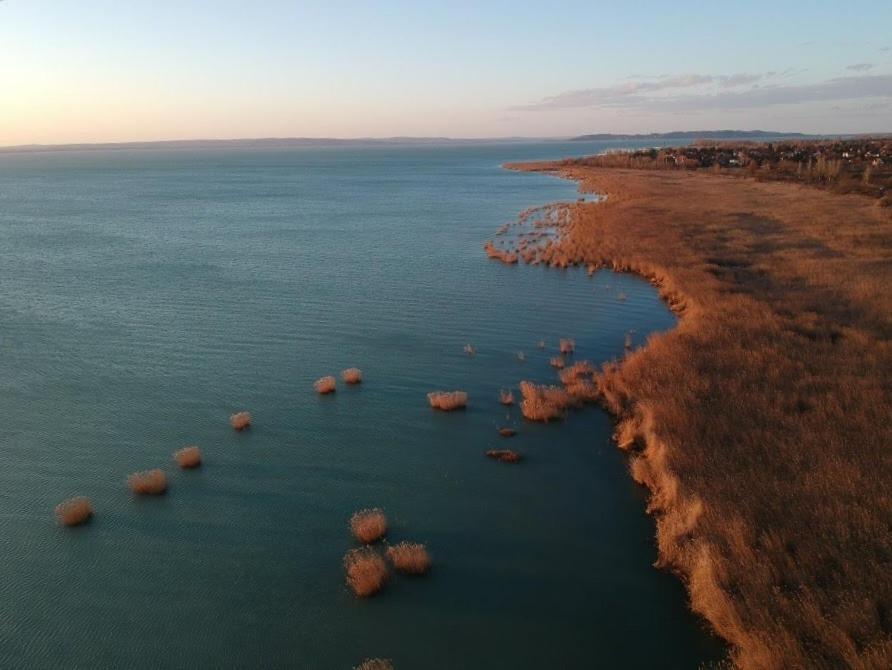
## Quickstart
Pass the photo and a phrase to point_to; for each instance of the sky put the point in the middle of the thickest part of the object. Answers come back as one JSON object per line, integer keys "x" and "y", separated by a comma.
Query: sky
{"x": 135, "y": 70}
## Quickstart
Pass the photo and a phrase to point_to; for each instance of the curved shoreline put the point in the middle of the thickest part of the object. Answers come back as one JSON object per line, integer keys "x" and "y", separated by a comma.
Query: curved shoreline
{"x": 757, "y": 372}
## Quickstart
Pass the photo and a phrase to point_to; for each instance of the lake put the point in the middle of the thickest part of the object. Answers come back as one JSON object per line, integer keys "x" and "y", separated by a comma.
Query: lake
{"x": 147, "y": 295}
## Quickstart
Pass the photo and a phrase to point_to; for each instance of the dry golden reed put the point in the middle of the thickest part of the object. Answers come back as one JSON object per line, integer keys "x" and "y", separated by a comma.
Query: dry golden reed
{"x": 366, "y": 571}
{"x": 148, "y": 482}
{"x": 188, "y": 457}
{"x": 240, "y": 420}
{"x": 74, "y": 511}
{"x": 325, "y": 385}
{"x": 760, "y": 423}
{"x": 448, "y": 400}
{"x": 409, "y": 558}
{"x": 352, "y": 376}
{"x": 368, "y": 525}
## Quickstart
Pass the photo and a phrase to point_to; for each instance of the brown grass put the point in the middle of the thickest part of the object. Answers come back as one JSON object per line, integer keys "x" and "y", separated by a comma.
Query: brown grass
{"x": 240, "y": 420}
{"x": 148, "y": 482}
{"x": 504, "y": 455}
{"x": 325, "y": 385}
{"x": 74, "y": 511}
{"x": 409, "y": 558}
{"x": 352, "y": 376}
{"x": 366, "y": 571}
{"x": 448, "y": 400}
{"x": 368, "y": 525}
{"x": 188, "y": 457}
{"x": 760, "y": 423}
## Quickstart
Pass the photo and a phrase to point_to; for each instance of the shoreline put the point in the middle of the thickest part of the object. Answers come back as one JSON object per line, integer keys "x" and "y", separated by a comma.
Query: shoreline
{"x": 738, "y": 419}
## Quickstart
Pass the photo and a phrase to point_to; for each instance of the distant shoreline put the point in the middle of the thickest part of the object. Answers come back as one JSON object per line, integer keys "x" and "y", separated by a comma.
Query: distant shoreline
{"x": 324, "y": 142}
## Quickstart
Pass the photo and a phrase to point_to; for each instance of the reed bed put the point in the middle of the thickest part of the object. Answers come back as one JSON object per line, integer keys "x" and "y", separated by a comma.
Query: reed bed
{"x": 74, "y": 511}
{"x": 352, "y": 376}
{"x": 240, "y": 420}
{"x": 448, "y": 401}
{"x": 368, "y": 525}
{"x": 366, "y": 571}
{"x": 148, "y": 482}
{"x": 410, "y": 558}
{"x": 188, "y": 457}
{"x": 760, "y": 423}
{"x": 325, "y": 385}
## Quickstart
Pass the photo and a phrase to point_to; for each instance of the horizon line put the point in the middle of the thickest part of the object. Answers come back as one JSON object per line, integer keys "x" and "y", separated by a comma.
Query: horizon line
{"x": 138, "y": 144}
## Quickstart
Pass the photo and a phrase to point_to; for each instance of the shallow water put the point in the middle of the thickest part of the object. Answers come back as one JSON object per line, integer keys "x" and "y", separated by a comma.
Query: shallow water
{"x": 144, "y": 296}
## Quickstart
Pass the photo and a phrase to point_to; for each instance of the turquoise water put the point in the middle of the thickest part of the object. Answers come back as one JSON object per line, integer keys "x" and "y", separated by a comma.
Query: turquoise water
{"x": 145, "y": 296}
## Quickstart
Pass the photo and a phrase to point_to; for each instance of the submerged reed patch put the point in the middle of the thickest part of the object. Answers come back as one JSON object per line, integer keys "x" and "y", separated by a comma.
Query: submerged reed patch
{"x": 240, "y": 420}
{"x": 368, "y": 525}
{"x": 352, "y": 376}
{"x": 74, "y": 511}
{"x": 410, "y": 558}
{"x": 375, "y": 664}
{"x": 506, "y": 397}
{"x": 507, "y": 431}
{"x": 448, "y": 400}
{"x": 188, "y": 457}
{"x": 366, "y": 571}
{"x": 325, "y": 385}
{"x": 148, "y": 482}
{"x": 504, "y": 455}
{"x": 568, "y": 346}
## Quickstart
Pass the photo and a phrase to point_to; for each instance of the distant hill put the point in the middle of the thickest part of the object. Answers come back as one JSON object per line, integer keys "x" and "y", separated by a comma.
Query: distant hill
{"x": 690, "y": 135}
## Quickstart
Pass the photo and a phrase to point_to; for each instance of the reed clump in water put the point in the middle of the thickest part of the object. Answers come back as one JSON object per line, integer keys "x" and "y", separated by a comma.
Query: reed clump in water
{"x": 366, "y": 571}
{"x": 506, "y": 397}
{"x": 448, "y": 401}
{"x": 375, "y": 664}
{"x": 507, "y": 431}
{"x": 543, "y": 403}
{"x": 148, "y": 482}
{"x": 410, "y": 558}
{"x": 567, "y": 346}
{"x": 368, "y": 525}
{"x": 74, "y": 511}
{"x": 240, "y": 420}
{"x": 352, "y": 376}
{"x": 557, "y": 362}
{"x": 188, "y": 457}
{"x": 504, "y": 455}
{"x": 470, "y": 350}
{"x": 325, "y": 385}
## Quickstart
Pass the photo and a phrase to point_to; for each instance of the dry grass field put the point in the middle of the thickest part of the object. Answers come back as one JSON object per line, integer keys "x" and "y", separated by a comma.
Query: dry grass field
{"x": 761, "y": 423}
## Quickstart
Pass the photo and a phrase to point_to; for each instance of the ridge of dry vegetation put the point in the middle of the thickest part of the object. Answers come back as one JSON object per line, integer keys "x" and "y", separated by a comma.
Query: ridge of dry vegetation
{"x": 761, "y": 423}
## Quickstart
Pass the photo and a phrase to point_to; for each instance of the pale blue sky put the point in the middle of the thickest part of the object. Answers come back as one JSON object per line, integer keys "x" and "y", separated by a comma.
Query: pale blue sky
{"x": 116, "y": 70}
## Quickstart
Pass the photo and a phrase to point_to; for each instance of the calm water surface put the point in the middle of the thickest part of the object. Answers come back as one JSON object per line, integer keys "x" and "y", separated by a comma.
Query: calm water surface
{"x": 144, "y": 296}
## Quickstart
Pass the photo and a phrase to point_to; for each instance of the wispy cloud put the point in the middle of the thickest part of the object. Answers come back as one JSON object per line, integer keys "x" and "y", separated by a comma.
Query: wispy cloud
{"x": 725, "y": 92}
{"x": 860, "y": 67}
